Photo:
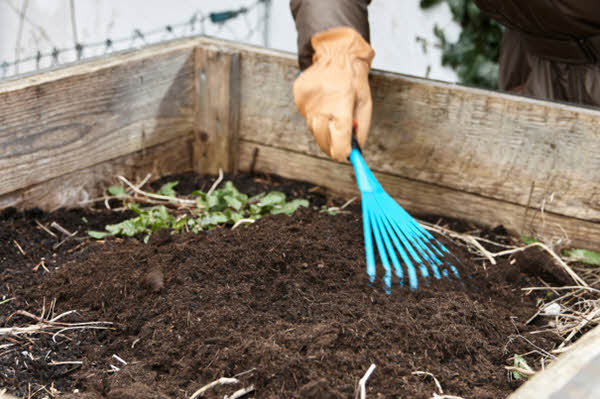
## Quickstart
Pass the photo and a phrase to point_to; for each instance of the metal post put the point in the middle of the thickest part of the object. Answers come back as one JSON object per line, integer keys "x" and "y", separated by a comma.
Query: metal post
{"x": 266, "y": 22}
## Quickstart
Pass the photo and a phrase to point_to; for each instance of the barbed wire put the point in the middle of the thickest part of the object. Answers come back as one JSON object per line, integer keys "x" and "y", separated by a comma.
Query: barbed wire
{"x": 194, "y": 25}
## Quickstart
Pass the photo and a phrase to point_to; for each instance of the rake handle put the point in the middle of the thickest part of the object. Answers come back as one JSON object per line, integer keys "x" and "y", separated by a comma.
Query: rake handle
{"x": 355, "y": 145}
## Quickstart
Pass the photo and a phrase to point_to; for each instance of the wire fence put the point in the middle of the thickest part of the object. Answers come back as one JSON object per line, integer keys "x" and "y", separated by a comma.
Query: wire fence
{"x": 255, "y": 16}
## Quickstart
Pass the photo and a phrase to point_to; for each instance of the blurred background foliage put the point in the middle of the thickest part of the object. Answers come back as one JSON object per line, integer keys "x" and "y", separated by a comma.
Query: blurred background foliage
{"x": 474, "y": 56}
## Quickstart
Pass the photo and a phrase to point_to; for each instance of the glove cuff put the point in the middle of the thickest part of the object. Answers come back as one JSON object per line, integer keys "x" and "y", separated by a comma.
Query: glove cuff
{"x": 341, "y": 41}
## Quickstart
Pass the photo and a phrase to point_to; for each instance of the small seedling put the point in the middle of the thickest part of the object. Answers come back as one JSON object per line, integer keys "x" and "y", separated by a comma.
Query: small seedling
{"x": 520, "y": 363}
{"x": 225, "y": 206}
{"x": 584, "y": 256}
{"x": 330, "y": 211}
{"x": 528, "y": 240}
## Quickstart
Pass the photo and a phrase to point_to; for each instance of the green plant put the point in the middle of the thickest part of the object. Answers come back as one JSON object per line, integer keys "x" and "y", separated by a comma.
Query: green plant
{"x": 522, "y": 369}
{"x": 474, "y": 56}
{"x": 201, "y": 211}
{"x": 584, "y": 256}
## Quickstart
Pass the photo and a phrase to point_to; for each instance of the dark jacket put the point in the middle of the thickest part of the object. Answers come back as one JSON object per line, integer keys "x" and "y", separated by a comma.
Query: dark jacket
{"x": 550, "y": 49}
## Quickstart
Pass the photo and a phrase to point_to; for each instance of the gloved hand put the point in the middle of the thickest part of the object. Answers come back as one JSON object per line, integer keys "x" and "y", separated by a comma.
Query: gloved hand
{"x": 334, "y": 90}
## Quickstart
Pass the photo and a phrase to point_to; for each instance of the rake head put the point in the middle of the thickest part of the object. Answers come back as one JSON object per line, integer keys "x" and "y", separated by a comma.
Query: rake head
{"x": 397, "y": 233}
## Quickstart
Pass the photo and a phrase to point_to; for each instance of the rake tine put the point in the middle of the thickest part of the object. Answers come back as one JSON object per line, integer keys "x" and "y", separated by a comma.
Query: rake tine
{"x": 435, "y": 244}
{"x": 410, "y": 268}
{"x": 419, "y": 232}
{"x": 382, "y": 226}
{"x": 387, "y": 278}
{"x": 405, "y": 242}
{"x": 426, "y": 242}
{"x": 423, "y": 247}
{"x": 368, "y": 243}
{"x": 431, "y": 242}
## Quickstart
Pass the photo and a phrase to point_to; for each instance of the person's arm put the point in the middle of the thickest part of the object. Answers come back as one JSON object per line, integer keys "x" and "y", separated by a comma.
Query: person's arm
{"x": 314, "y": 16}
{"x": 333, "y": 91}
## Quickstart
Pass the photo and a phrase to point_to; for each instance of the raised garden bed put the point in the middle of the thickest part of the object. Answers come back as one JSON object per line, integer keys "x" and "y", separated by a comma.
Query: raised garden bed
{"x": 203, "y": 105}
{"x": 286, "y": 299}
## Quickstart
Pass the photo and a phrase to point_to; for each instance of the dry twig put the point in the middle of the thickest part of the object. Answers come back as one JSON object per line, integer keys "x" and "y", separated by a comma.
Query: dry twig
{"x": 362, "y": 383}
{"x": 427, "y": 374}
{"x": 240, "y": 392}
{"x": 220, "y": 381}
{"x": 157, "y": 196}
{"x": 19, "y": 248}
{"x": 216, "y": 183}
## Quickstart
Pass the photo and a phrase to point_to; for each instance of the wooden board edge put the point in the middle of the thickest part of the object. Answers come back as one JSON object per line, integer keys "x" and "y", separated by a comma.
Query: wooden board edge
{"x": 75, "y": 189}
{"x": 418, "y": 197}
{"x": 97, "y": 64}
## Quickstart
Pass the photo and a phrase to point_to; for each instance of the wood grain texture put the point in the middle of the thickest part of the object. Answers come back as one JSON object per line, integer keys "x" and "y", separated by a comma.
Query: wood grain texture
{"x": 217, "y": 110}
{"x": 481, "y": 142}
{"x": 419, "y": 197}
{"x": 574, "y": 375}
{"x": 64, "y": 121}
{"x": 71, "y": 189}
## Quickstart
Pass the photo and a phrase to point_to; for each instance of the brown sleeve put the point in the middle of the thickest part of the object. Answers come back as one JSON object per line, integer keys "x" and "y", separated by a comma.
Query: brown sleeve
{"x": 547, "y": 18}
{"x": 314, "y": 16}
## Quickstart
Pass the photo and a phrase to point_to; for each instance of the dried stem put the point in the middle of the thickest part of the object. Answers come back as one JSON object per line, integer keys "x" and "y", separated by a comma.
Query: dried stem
{"x": 220, "y": 381}
{"x": 157, "y": 196}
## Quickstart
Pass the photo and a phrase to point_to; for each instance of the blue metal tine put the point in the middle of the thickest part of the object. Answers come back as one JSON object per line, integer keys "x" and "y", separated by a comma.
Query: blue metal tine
{"x": 387, "y": 278}
{"x": 382, "y": 224}
{"x": 414, "y": 239}
{"x": 368, "y": 242}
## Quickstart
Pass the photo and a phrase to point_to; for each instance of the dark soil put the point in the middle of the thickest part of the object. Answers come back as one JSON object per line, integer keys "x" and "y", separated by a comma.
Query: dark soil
{"x": 286, "y": 299}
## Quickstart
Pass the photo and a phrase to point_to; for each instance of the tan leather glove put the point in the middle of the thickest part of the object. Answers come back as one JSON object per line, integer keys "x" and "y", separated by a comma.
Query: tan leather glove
{"x": 334, "y": 90}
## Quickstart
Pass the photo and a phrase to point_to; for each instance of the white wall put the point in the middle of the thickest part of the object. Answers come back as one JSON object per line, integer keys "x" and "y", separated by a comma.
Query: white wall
{"x": 394, "y": 27}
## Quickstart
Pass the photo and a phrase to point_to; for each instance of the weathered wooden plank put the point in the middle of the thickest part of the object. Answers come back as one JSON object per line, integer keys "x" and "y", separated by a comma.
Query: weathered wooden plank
{"x": 71, "y": 189}
{"x": 62, "y": 121}
{"x": 485, "y": 143}
{"x": 418, "y": 197}
{"x": 574, "y": 375}
{"x": 217, "y": 110}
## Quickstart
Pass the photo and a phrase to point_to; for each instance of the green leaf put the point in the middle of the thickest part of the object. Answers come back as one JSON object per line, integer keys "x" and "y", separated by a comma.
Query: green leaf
{"x": 117, "y": 191}
{"x": 167, "y": 189}
{"x": 98, "y": 234}
{"x": 135, "y": 207}
{"x": 584, "y": 256}
{"x": 256, "y": 198}
{"x": 233, "y": 202}
{"x": 229, "y": 188}
{"x": 233, "y": 217}
{"x": 521, "y": 363}
{"x": 271, "y": 199}
{"x": 255, "y": 210}
{"x": 215, "y": 201}
{"x": 128, "y": 228}
{"x": 212, "y": 219}
{"x": 84, "y": 219}
{"x": 201, "y": 201}
{"x": 528, "y": 240}
{"x": 290, "y": 207}
{"x": 180, "y": 224}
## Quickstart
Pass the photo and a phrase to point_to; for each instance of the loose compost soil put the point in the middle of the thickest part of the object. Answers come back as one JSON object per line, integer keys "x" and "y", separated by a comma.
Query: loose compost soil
{"x": 284, "y": 304}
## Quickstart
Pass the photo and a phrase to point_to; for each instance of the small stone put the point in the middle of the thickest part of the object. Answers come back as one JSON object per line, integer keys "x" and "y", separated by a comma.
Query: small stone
{"x": 155, "y": 280}
{"x": 551, "y": 310}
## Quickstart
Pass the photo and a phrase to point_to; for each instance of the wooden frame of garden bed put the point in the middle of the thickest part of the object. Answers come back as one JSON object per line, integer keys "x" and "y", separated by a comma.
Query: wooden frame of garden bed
{"x": 203, "y": 104}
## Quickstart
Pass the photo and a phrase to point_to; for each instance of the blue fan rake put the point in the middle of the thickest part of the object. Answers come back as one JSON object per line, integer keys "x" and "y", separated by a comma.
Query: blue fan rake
{"x": 395, "y": 231}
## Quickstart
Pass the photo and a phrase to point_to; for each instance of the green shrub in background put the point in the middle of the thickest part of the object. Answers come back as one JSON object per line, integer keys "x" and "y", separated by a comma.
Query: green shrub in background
{"x": 474, "y": 56}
